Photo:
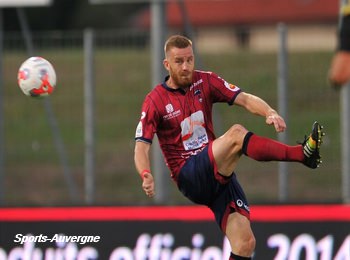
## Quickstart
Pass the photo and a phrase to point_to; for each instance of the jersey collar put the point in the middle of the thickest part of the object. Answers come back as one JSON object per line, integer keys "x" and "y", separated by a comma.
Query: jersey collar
{"x": 164, "y": 85}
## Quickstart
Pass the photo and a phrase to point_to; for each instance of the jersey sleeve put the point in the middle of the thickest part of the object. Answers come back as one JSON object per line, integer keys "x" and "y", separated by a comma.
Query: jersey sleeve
{"x": 147, "y": 125}
{"x": 223, "y": 91}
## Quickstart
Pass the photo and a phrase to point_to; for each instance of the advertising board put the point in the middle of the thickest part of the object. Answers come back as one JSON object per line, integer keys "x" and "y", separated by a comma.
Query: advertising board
{"x": 170, "y": 233}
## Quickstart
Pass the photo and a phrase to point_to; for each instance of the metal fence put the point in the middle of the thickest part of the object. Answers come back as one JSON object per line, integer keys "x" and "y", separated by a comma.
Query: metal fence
{"x": 33, "y": 171}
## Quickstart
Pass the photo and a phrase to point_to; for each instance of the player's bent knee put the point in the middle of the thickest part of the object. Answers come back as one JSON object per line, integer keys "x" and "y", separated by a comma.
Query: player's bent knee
{"x": 237, "y": 130}
{"x": 235, "y": 134}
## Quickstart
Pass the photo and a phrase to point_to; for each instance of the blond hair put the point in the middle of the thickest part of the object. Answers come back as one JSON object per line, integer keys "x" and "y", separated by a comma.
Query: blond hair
{"x": 176, "y": 41}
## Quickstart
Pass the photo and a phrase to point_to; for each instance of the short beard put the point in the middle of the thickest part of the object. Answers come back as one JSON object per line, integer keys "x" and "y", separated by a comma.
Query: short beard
{"x": 180, "y": 82}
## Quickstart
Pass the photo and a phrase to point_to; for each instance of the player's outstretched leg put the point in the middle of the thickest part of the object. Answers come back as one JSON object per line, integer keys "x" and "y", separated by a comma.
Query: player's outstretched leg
{"x": 311, "y": 146}
{"x": 264, "y": 149}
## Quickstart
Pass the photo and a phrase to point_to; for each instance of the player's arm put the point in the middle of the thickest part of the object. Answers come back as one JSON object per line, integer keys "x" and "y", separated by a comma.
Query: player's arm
{"x": 339, "y": 72}
{"x": 142, "y": 164}
{"x": 258, "y": 106}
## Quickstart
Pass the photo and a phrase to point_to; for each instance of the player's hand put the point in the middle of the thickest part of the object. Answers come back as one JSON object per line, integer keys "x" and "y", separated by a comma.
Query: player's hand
{"x": 148, "y": 184}
{"x": 277, "y": 121}
{"x": 339, "y": 73}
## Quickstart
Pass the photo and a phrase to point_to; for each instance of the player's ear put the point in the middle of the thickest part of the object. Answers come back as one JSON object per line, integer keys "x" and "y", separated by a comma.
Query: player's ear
{"x": 166, "y": 64}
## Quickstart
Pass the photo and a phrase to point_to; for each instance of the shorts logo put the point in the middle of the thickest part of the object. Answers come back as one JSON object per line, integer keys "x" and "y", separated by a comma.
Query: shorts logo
{"x": 241, "y": 204}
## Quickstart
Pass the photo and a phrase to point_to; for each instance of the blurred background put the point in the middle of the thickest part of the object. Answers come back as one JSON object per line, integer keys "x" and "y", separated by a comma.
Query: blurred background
{"x": 257, "y": 45}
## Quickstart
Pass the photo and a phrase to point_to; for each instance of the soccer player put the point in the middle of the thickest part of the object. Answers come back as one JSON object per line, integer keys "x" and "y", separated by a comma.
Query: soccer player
{"x": 339, "y": 73}
{"x": 179, "y": 111}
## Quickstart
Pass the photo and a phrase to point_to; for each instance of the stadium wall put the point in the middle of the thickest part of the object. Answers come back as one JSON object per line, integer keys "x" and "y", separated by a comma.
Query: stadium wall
{"x": 178, "y": 232}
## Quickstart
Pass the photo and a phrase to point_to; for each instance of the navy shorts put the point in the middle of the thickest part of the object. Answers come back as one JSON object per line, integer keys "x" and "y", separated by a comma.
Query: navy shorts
{"x": 199, "y": 181}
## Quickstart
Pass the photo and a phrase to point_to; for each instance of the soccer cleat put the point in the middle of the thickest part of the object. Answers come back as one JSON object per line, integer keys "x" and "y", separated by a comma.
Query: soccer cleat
{"x": 311, "y": 146}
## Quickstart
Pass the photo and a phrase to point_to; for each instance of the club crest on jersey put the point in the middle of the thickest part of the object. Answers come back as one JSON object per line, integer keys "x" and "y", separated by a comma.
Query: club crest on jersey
{"x": 231, "y": 87}
{"x": 197, "y": 93}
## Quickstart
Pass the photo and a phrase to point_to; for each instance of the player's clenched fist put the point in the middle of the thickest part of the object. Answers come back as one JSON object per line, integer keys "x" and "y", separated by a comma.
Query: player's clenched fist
{"x": 277, "y": 121}
{"x": 148, "y": 184}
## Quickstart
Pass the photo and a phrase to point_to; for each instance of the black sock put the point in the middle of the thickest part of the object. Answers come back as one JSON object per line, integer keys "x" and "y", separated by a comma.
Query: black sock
{"x": 237, "y": 257}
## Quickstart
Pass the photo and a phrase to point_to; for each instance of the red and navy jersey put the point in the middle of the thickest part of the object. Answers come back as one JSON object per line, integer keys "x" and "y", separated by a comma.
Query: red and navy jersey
{"x": 182, "y": 118}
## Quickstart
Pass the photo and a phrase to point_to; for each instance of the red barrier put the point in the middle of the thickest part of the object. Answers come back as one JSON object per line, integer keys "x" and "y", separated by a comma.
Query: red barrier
{"x": 266, "y": 213}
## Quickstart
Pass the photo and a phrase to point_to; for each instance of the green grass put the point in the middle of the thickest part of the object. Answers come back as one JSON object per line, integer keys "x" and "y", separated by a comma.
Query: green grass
{"x": 33, "y": 175}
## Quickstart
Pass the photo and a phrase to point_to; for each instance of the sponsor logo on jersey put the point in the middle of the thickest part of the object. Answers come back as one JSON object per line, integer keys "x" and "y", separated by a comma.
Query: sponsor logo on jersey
{"x": 170, "y": 112}
{"x": 196, "y": 84}
{"x": 169, "y": 108}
